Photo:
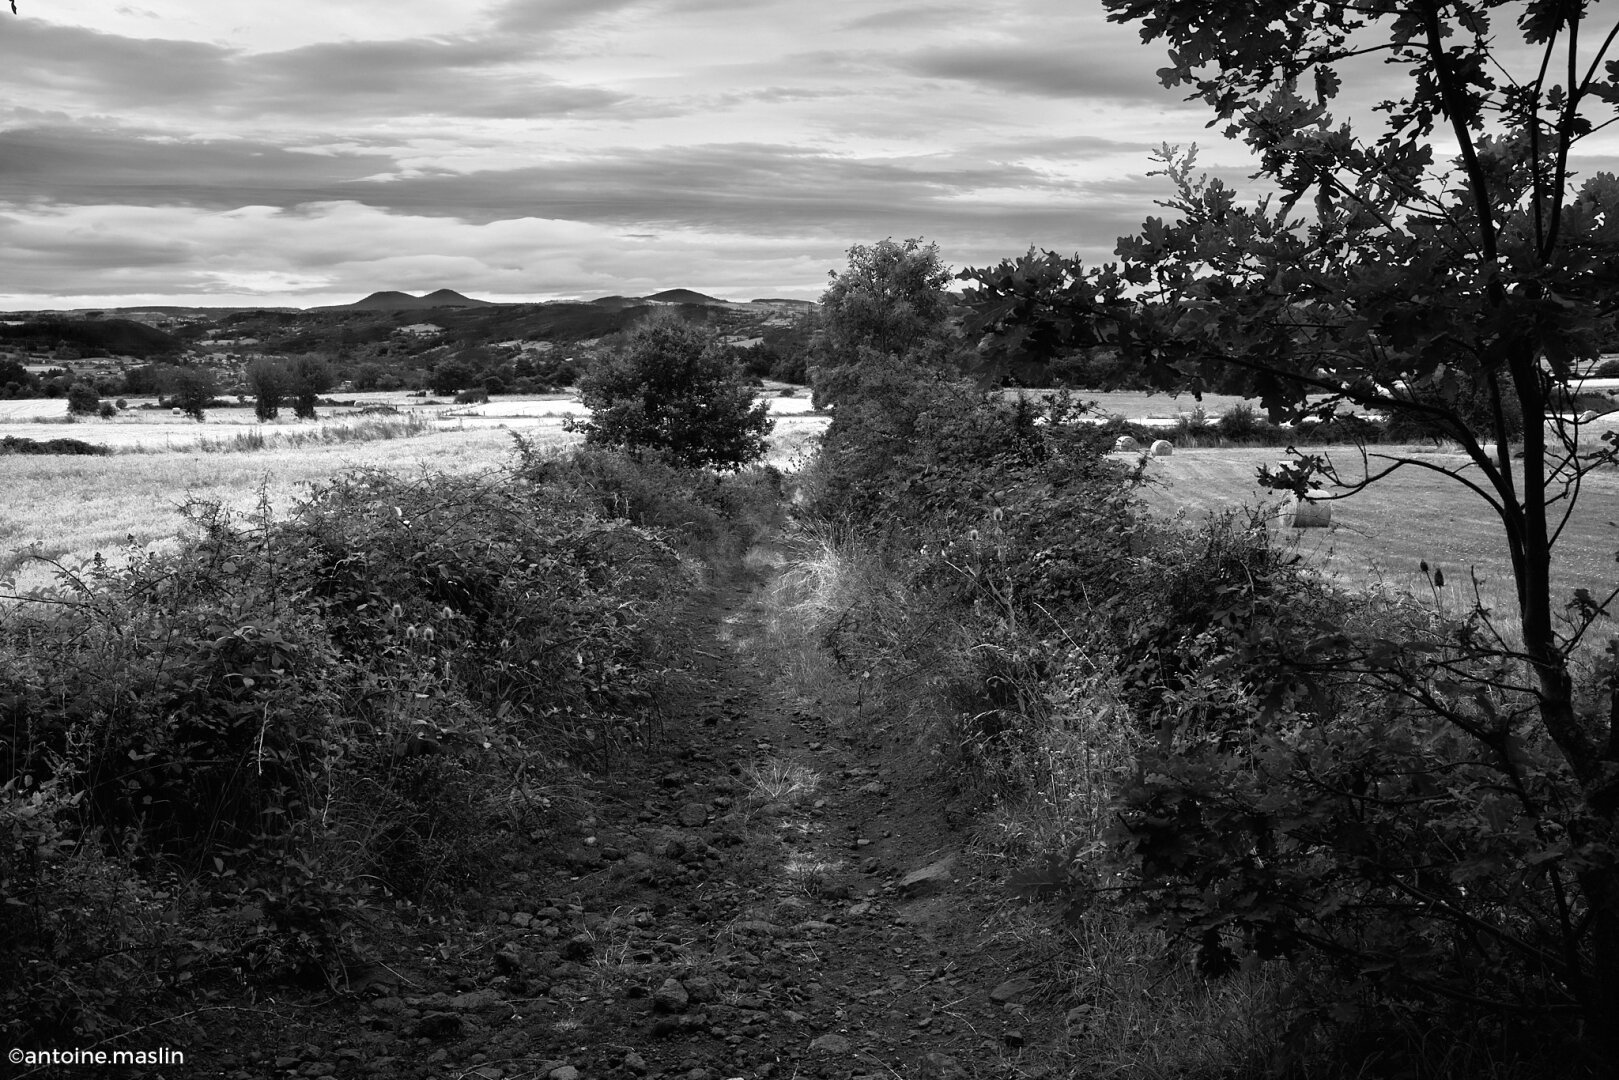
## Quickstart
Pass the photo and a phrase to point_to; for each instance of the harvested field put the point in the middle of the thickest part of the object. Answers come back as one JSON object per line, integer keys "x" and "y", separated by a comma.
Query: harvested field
{"x": 1384, "y": 533}
{"x": 69, "y": 508}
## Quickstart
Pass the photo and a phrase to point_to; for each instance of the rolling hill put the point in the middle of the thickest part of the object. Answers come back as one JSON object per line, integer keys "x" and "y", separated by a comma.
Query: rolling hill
{"x": 93, "y": 337}
{"x": 400, "y": 301}
{"x": 684, "y": 296}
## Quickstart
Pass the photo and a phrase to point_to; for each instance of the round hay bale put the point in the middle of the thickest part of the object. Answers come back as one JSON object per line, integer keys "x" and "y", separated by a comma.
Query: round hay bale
{"x": 1308, "y": 514}
{"x": 1124, "y": 444}
{"x": 1162, "y": 448}
{"x": 1589, "y": 415}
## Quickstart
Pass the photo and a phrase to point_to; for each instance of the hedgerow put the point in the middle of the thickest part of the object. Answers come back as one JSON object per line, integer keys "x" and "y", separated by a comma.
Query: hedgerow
{"x": 1287, "y": 776}
{"x": 245, "y": 759}
{"x": 12, "y": 444}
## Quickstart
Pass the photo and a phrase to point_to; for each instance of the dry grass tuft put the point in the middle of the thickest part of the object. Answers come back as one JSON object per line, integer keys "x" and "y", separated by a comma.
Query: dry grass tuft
{"x": 777, "y": 781}
{"x": 1140, "y": 1013}
{"x": 1073, "y": 770}
{"x": 816, "y": 586}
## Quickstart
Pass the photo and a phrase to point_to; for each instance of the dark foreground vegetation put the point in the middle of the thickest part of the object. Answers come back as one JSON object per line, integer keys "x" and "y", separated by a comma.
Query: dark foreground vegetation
{"x": 1397, "y": 828}
{"x": 246, "y": 763}
{"x": 1279, "y": 778}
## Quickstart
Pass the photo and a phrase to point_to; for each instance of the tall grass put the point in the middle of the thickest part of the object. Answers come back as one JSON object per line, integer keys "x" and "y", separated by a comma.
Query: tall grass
{"x": 1140, "y": 1014}
{"x": 370, "y": 429}
{"x": 1135, "y": 1007}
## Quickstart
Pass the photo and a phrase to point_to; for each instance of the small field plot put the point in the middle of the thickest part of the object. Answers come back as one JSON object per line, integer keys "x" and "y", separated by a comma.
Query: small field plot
{"x": 1385, "y": 532}
{"x": 794, "y": 439}
{"x": 1139, "y": 406}
{"x": 26, "y": 409}
{"x": 145, "y": 431}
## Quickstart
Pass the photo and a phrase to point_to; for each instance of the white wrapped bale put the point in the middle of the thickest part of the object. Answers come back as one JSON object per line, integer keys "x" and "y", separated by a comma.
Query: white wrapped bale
{"x": 1307, "y": 514}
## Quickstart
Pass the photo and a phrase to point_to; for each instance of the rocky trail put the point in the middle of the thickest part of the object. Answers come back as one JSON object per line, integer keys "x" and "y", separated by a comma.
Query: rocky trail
{"x": 771, "y": 890}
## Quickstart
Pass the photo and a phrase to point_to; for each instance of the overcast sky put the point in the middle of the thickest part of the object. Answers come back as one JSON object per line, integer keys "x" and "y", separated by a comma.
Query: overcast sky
{"x": 227, "y": 152}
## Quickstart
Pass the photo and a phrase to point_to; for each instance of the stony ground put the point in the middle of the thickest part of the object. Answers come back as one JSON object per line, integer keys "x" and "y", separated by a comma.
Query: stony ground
{"x": 771, "y": 891}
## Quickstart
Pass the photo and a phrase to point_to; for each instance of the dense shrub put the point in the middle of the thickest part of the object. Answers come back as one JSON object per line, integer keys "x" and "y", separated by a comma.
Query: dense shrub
{"x": 999, "y": 519}
{"x": 1328, "y": 779}
{"x": 277, "y": 735}
{"x": 12, "y": 444}
{"x": 671, "y": 388}
{"x": 1330, "y": 792}
{"x": 1239, "y": 423}
{"x": 914, "y": 454}
{"x": 716, "y": 515}
{"x": 82, "y": 399}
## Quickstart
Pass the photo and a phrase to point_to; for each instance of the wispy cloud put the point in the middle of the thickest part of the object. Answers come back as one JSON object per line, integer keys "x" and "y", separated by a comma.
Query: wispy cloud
{"x": 364, "y": 80}
{"x": 912, "y": 16}
{"x": 1045, "y": 71}
{"x": 543, "y": 147}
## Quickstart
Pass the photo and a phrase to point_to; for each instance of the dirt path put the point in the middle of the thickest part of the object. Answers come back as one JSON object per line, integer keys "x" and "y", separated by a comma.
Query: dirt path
{"x": 772, "y": 891}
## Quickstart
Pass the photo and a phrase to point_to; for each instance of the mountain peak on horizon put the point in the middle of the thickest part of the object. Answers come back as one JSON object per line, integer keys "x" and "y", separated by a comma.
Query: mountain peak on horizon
{"x": 393, "y": 300}
{"x": 684, "y": 296}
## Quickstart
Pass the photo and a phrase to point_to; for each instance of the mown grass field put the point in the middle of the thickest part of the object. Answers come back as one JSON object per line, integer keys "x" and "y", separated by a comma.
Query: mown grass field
{"x": 1384, "y": 533}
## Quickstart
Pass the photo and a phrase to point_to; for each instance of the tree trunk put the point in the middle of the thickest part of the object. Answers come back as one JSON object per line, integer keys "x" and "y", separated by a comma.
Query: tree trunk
{"x": 1600, "y": 995}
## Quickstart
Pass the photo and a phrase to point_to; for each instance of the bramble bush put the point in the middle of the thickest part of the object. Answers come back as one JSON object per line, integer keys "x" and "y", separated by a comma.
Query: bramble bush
{"x": 996, "y": 519}
{"x": 711, "y": 515}
{"x": 1341, "y": 779}
{"x": 238, "y": 760}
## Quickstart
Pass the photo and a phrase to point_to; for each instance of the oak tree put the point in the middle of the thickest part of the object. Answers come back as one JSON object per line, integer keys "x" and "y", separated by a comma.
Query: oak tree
{"x": 888, "y": 306}
{"x": 671, "y": 388}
